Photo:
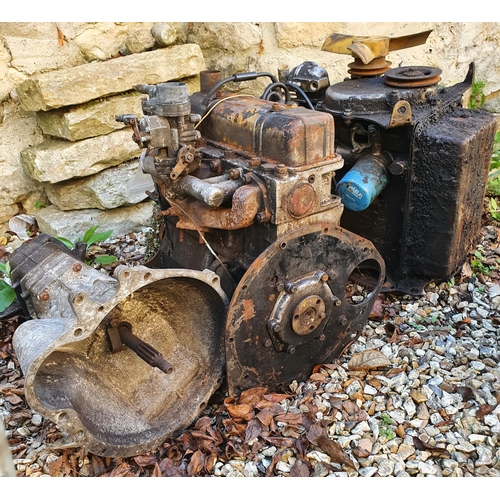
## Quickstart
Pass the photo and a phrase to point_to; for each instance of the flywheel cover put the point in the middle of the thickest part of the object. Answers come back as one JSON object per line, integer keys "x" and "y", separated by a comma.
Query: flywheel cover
{"x": 290, "y": 310}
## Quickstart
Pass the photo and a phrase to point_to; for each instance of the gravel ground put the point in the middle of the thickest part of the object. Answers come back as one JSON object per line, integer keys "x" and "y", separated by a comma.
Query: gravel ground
{"x": 418, "y": 394}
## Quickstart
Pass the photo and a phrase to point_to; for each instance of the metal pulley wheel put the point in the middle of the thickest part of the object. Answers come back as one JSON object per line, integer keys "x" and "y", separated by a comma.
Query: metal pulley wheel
{"x": 413, "y": 76}
{"x": 293, "y": 308}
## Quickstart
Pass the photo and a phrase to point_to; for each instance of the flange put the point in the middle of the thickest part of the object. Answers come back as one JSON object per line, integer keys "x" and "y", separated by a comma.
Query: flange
{"x": 292, "y": 309}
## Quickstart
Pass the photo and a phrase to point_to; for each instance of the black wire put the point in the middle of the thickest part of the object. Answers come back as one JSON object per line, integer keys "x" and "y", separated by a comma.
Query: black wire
{"x": 270, "y": 88}
{"x": 297, "y": 89}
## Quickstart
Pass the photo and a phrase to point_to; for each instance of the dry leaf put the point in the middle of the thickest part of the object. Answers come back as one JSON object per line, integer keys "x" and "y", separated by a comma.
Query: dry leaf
{"x": 243, "y": 411}
{"x": 465, "y": 392}
{"x": 196, "y": 463}
{"x": 289, "y": 418}
{"x": 421, "y": 446}
{"x": 335, "y": 452}
{"x": 276, "y": 458}
{"x": 300, "y": 469}
{"x": 484, "y": 409}
{"x": 253, "y": 430}
{"x": 368, "y": 360}
{"x": 252, "y": 396}
{"x": 97, "y": 466}
{"x": 145, "y": 460}
{"x": 156, "y": 471}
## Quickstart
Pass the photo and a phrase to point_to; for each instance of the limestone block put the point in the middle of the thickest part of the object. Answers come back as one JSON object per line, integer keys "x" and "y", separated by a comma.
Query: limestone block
{"x": 101, "y": 41}
{"x": 140, "y": 41}
{"x": 90, "y": 119}
{"x": 290, "y": 35}
{"x": 85, "y": 83}
{"x": 9, "y": 77}
{"x": 56, "y": 160}
{"x": 164, "y": 34}
{"x": 73, "y": 224}
{"x": 8, "y": 211}
{"x": 17, "y": 132}
{"x": 31, "y": 55}
{"x": 111, "y": 188}
{"x": 28, "y": 30}
{"x": 232, "y": 37}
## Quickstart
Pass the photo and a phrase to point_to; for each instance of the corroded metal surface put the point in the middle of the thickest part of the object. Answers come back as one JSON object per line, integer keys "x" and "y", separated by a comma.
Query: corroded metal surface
{"x": 112, "y": 402}
{"x": 303, "y": 274}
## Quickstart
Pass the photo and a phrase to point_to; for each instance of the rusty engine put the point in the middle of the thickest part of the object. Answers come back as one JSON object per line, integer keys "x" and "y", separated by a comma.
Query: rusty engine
{"x": 282, "y": 217}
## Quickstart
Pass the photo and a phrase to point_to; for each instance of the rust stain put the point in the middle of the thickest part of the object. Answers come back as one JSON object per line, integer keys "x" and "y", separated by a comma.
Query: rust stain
{"x": 60, "y": 37}
{"x": 248, "y": 310}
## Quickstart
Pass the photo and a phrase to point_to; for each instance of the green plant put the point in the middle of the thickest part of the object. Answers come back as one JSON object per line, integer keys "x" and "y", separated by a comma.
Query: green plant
{"x": 493, "y": 187}
{"x": 494, "y": 210}
{"x": 477, "y": 264}
{"x": 40, "y": 204}
{"x": 476, "y": 98}
{"x": 89, "y": 238}
{"x": 7, "y": 293}
{"x": 386, "y": 427}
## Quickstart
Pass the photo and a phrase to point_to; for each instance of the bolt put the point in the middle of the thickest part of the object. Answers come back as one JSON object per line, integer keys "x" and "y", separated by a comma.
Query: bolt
{"x": 282, "y": 170}
{"x": 322, "y": 337}
{"x": 267, "y": 343}
{"x": 338, "y": 303}
{"x": 324, "y": 277}
{"x": 290, "y": 287}
{"x": 274, "y": 325}
{"x": 77, "y": 267}
{"x": 44, "y": 296}
{"x": 234, "y": 173}
{"x": 254, "y": 162}
{"x": 189, "y": 157}
{"x": 290, "y": 349}
{"x": 277, "y": 106}
{"x": 260, "y": 217}
{"x": 342, "y": 320}
{"x": 279, "y": 287}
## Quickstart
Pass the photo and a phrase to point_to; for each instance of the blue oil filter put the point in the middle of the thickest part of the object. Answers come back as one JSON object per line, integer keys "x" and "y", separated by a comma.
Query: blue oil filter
{"x": 363, "y": 183}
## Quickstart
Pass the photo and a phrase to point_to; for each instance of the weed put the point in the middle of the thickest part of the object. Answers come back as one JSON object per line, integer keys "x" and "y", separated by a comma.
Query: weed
{"x": 493, "y": 187}
{"x": 494, "y": 210}
{"x": 476, "y": 98}
{"x": 7, "y": 293}
{"x": 89, "y": 238}
{"x": 386, "y": 427}
{"x": 478, "y": 266}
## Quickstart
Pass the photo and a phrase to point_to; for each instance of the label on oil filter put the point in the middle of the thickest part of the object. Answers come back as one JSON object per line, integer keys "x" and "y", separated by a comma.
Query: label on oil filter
{"x": 361, "y": 185}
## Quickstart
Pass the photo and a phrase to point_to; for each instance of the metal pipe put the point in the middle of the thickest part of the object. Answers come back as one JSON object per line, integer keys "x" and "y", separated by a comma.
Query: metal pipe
{"x": 211, "y": 194}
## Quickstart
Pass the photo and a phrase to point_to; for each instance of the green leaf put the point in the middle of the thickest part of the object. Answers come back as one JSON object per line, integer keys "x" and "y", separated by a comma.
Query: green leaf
{"x": 97, "y": 237}
{"x": 40, "y": 204}
{"x": 88, "y": 234}
{"x": 105, "y": 259}
{"x": 68, "y": 243}
{"x": 7, "y": 295}
{"x": 5, "y": 268}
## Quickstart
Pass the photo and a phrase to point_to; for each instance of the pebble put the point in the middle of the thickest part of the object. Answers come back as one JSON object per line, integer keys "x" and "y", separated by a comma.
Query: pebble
{"x": 445, "y": 367}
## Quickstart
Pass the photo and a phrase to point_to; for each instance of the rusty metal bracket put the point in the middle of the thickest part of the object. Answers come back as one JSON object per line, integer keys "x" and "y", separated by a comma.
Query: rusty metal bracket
{"x": 401, "y": 114}
{"x": 184, "y": 157}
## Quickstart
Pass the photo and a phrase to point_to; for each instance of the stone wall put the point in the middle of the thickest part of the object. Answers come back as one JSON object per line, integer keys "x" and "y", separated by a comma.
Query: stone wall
{"x": 61, "y": 85}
